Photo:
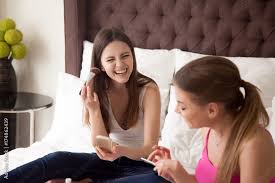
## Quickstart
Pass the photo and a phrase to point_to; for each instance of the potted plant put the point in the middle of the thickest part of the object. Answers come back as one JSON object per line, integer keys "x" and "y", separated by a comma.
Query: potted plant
{"x": 11, "y": 47}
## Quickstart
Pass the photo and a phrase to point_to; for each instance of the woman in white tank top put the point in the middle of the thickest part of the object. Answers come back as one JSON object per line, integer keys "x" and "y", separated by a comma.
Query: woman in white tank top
{"x": 121, "y": 102}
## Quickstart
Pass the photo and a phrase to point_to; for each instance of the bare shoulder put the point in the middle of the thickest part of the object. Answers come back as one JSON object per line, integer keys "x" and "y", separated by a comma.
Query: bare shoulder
{"x": 151, "y": 95}
{"x": 258, "y": 154}
{"x": 152, "y": 86}
{"x": 261, "y": 141}
{"x": 151, "y": 89}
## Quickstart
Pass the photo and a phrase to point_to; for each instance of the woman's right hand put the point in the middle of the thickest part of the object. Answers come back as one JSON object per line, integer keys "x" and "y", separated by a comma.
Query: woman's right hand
{"x": 90, "y": 100}
{"x": 106, "y": 155}
{"x": 159, "y": 153}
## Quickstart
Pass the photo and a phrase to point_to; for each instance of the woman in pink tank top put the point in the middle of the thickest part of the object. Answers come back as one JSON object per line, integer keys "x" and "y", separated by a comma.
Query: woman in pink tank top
{"x": 237, "y": 147}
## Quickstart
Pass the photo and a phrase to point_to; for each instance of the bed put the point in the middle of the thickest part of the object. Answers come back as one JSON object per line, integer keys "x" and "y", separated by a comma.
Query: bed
{"x": 167, "y": 34}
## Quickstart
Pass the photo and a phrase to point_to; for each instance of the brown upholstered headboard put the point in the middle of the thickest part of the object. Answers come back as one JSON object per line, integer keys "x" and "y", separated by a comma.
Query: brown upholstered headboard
{"x": 214, "y": 27}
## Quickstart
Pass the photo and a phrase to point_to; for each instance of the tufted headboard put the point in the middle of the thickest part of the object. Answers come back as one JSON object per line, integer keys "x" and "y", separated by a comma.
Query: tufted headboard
{"x": 215, "y": 27}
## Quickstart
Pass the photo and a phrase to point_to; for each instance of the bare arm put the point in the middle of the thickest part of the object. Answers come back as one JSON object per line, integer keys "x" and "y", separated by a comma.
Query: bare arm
{"x": 97, "y": 126}
{"x": 92, "y": 110}
{"x": 151, "y": 107}
{"x": 180, "y": 175}
{"x": 257, "y": 159}
{"x": 187, "y": 179}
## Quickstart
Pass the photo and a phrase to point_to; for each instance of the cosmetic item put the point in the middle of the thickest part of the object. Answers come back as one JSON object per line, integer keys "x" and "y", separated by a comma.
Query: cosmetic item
{"x": 148, "y": 161}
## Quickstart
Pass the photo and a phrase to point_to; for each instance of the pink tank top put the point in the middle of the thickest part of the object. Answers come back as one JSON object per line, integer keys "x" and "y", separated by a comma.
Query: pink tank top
{"x": 206, "y": 171}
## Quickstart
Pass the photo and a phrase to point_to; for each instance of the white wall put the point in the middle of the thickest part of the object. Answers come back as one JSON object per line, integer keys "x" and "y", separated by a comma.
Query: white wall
{"x": 42, "y": 24}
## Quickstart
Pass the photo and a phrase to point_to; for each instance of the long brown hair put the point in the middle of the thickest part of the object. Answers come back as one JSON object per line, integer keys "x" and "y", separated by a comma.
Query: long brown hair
{"x": 102, "y": 81}
{"x": 216, "y": 79}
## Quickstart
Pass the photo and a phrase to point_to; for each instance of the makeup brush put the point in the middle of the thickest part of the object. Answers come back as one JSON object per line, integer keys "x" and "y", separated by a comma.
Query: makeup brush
{"x": 93, "y": 71}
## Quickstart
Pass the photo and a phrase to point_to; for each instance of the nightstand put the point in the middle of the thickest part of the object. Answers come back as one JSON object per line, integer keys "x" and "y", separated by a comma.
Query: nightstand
{"x": 23, "y": 102}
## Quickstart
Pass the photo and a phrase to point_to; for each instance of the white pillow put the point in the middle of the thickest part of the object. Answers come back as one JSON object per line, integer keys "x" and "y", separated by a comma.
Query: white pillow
{"x": 259, "y": 71}
{"x": 67, "y": 131}
{"x": 156, "y": 64}
{"x": 86, "y": 59}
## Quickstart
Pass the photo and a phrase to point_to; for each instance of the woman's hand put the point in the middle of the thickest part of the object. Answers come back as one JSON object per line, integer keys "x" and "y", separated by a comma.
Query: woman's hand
{"x": 90, "y": 100}
{"x": 172, "y": 171}
{"x": 163, "y": 164}
{"x": 166, "y": 169}
{"x": 159, "y": 153}
{"x": 117, "y": 151}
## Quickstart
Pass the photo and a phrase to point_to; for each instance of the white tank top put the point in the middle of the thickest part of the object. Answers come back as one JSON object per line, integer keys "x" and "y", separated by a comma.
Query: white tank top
{"x": 134, "y": 136}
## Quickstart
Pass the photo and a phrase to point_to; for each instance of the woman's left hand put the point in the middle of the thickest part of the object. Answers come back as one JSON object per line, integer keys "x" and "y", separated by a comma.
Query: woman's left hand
{"x": 159, "y": 153}
{"x": 117, "y": 151}
{"x": 167, "y": 169}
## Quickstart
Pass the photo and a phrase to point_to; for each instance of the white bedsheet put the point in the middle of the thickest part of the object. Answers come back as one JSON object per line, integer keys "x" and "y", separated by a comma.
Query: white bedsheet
{"x": 54, "y": 141}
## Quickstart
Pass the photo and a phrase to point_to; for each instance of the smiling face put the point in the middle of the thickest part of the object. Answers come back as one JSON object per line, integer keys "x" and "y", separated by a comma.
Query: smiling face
{"x": 195, "y": 115}
{"x": 117, "y": 62}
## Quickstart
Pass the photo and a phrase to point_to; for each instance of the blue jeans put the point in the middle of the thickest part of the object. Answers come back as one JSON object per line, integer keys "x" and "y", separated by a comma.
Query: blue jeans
{"x": 79, "y": 166}
{"x": 144, "y": 178}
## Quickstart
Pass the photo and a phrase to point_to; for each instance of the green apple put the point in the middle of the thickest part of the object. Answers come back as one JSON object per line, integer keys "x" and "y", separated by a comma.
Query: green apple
{"x": 13, "y": 36}
{"x": 7, "y": 24}
{"x": 4, "y": 49}
{"x": 18, "y": 51}
{"x": 2, "y": 34}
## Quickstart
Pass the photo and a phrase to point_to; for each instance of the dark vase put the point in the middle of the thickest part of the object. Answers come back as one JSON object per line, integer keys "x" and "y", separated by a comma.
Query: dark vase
{"x": 8, "y": 89}
{"x": 8, "y": 84}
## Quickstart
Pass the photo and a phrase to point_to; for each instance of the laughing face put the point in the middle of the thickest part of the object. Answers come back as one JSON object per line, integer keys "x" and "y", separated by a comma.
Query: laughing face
{"x": 117, "y": 62}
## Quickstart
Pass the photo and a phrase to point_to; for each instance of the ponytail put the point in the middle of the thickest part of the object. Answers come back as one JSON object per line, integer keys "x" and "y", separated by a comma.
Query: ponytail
{"x": 251, "y": 112}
